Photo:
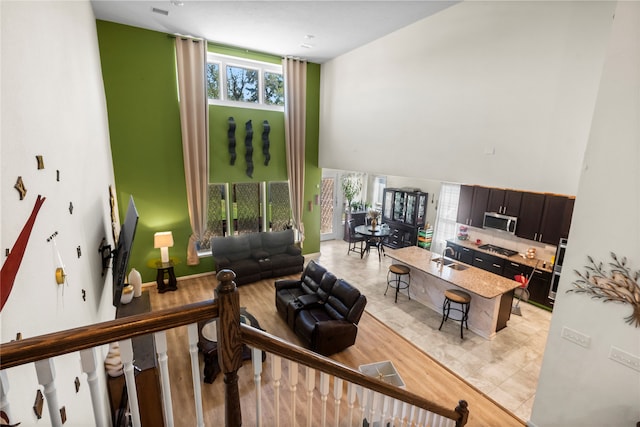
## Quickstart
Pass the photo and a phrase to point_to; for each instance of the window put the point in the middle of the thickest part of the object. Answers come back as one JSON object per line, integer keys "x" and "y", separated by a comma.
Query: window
{"x": 447, "y": 214}
{"x": 246, "y": 83}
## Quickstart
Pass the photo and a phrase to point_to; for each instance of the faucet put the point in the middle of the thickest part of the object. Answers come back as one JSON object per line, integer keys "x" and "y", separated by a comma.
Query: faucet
{"x": 444, "y": 253}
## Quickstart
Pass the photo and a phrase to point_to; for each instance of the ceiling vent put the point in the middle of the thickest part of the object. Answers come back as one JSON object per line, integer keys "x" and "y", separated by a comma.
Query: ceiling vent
{"x": 160, "y": 11}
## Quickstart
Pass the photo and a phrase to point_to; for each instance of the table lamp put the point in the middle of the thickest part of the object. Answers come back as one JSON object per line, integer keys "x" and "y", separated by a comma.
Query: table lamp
{"x": 163, "y": 240}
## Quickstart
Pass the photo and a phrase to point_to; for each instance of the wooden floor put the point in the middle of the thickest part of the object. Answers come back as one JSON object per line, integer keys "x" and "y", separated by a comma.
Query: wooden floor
{"x": 376, "y": 342}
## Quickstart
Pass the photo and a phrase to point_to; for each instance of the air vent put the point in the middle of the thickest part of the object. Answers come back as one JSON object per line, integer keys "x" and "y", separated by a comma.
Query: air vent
{"x": 160, "y": 11}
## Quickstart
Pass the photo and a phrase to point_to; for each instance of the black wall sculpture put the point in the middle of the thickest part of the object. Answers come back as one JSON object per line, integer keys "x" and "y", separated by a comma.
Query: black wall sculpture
{"x": 231, "y": 134}
{"x": 266, "y": 128}
{"x": 248, "y": 145}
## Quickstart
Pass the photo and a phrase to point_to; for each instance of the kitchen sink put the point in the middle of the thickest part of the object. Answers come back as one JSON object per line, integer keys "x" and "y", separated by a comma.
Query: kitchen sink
{"x": 451, "y": 264}
{"x": 446, "y": 261}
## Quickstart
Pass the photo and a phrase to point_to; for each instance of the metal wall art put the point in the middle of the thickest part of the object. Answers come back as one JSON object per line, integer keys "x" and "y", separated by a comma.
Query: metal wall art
{"x": 620, "y": 284}
{"x": 266, "y": 128}
{"x": 22, "y": 190}
{"x": 248, "y": 146}
{"x": 231, "y": 135}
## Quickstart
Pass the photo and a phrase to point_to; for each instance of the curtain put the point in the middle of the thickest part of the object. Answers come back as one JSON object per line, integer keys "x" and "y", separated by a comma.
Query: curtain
{"x": 191, "y": 56}
{"x": 295, "y": 98}
{"x": 447, "y": 213}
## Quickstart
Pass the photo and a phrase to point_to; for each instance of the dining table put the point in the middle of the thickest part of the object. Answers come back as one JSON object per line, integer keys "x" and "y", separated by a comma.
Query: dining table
{"x": 375, "y": 237}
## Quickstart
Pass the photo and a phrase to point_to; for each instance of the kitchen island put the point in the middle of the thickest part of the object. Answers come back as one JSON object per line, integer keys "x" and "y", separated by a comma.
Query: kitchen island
{"x": 491, "y": 295}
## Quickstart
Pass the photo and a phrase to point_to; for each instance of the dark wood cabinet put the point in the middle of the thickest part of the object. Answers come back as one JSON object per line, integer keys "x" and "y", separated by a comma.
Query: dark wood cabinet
{"x": 539, "y": 288}
{"x": 461, "y": 253}
{"x": 505, "y": 202}
{"x": 512, "y": 269}
{"x": 488, "y": 262}
{"x": 147, "y": 378}
{"x": 472, "y": 205}
{"x": 404, "y": 211}
{"x": 530, "y": 215}
{"x": 545, "y": 217}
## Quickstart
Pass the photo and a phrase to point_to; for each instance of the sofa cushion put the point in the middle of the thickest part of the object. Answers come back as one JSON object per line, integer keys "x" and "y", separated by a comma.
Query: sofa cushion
{"x": 326, "y": 284}
{"x": 342, "y": 297}
{"x": 232, "y": 247}
{"x": 277, "y": 242}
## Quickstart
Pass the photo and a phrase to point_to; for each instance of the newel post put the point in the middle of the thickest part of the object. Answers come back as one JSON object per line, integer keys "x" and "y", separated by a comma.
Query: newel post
{"x": 229, "y": 344}
{"x": 463, "y": 410}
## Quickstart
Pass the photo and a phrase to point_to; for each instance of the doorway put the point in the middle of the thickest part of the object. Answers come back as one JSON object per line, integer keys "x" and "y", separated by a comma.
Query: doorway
{"x": 330, "y": 219}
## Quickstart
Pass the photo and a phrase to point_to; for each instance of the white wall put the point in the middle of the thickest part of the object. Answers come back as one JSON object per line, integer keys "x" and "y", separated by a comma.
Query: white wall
{"x": 53, "y": 105}
{"x": 578, "y": 386}
{"x": 516, "y": 77}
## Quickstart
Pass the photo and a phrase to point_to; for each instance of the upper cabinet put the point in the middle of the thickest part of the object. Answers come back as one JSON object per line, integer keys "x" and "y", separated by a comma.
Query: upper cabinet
{"x": 541, "y": 217}
{"x": 544, "y": 217}
{"x": 506, "y": 202}
{"x": 472, "y": 205}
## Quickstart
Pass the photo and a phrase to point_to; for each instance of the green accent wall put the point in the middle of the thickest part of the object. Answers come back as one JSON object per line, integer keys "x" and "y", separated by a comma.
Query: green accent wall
{"x": 139, "y": 73}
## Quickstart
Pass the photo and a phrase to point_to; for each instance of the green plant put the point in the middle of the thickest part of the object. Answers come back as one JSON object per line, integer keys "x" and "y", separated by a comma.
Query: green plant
{"x": 351, "y": 187}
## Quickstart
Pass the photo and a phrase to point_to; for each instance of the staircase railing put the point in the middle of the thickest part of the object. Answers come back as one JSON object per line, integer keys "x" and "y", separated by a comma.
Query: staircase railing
{"x": 397, "y": 405}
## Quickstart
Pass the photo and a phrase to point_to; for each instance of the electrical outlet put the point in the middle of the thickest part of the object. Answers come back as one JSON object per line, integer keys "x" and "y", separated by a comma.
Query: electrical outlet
{"x": 627, "y": 359}
{"x": 576, "y": 337}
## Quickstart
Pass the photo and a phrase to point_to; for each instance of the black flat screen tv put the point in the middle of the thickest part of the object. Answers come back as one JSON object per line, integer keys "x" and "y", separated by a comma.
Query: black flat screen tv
{"x": 123, "y": 250}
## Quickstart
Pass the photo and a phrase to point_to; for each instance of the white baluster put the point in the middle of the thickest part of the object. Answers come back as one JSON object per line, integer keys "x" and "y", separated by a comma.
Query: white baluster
{"x": 4, "y": 392}
{"x": 126, "y": 353}
{"x": 46, "y": 374}
{"x": 412, "y": 413}
{"x": 395, "y": 410}
{"x": 310, "y": 383}
{"x": 160, "y": 339}
{"x": 337, "y": 398}
{"x": 374, "y": 398}
{"x": 192, "y": 330}
{"x": 364, "y": 395}
{"x": 351, "y": 398}
{"x": 324, "y": 393}
{"x": 276, "y": 374}
{"x": 256, "y": 359}
{"x": 383, "y": 408}
{"x": 293, "y": 386}
{"x": 89, "y": 363}
{"x": 421, "y": 414}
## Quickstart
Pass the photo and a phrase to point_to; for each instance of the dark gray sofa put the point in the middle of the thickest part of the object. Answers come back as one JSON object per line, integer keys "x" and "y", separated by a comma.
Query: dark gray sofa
{"x": 256, "y": 256}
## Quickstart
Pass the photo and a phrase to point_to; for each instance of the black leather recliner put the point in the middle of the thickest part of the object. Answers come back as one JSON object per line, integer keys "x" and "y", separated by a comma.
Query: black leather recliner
{"x": 322, "y": 310}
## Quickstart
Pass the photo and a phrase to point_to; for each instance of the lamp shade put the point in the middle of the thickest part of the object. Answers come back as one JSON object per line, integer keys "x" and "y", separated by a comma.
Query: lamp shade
{"x": 163, "y": 239}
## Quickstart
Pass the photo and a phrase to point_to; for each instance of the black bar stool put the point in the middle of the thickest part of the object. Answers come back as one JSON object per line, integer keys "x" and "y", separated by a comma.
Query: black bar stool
{"x": 398, "y": 282}
{"x": 459, "y": 297}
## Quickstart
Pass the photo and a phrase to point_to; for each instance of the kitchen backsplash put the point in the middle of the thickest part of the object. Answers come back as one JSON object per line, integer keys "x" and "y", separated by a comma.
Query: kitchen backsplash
{"x": 544, "y": 251}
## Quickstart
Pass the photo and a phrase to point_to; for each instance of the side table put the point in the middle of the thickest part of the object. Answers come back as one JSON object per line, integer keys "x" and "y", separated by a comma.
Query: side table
{"x": 165, "y": 270}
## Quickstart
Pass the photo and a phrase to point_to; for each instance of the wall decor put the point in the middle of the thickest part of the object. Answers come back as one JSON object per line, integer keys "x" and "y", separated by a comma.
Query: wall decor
{"x": 79, "y": 251}
{"x": 76, "y": 382}
{"x": 12, "y": 264}
{"x": 620, "y": 284}
{"x": 248, "y": 145}
{"x": 22, "y": 190}
{"x": 7, "y": 251}
{"x": 231, "y": 135}
{"x": 266, "y": 128}
{"x": 38, "y": 404}
{"x": 58, "y": 175}
{"x": 70, "y": 208}
{"x": 84, "y": 295}
{"x": 40, "y": 161}
{"x": 63, "y": 414}
{"x": 4, "y": 420}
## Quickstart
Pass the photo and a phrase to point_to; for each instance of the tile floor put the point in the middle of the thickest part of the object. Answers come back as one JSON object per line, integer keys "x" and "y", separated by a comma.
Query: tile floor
{"x": 505, "y": 368}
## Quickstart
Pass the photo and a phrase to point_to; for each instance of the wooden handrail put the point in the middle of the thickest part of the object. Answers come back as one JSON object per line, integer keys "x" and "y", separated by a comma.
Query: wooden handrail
{"x": 275, "y": 345}
{"x": 28, "y": 350}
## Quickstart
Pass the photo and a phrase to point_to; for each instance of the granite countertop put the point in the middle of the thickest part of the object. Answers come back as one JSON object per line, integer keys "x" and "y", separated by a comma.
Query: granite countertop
{"x": 472, "y": 279}
{"x": 531, "y": 262}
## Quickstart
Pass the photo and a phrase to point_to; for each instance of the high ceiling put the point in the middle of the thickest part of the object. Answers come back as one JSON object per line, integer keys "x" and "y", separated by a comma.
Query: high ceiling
{"x": 313, "y": 30}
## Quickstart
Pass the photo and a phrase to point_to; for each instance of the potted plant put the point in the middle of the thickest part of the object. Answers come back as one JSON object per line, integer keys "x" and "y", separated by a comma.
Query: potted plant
{"x": 351, "y": 187}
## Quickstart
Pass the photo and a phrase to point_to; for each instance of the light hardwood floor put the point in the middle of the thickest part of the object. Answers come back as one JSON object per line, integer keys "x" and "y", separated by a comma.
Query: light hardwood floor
{"x": 376, "y": 342}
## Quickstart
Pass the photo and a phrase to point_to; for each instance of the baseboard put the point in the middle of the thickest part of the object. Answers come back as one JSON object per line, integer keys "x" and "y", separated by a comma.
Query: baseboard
{"x": 181, "y": 278}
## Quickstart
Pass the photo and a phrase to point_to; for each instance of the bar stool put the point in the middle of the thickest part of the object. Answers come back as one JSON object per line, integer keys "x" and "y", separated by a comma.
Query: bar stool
{"x": 459, "y": 297}
{"x": 398, "y": 282}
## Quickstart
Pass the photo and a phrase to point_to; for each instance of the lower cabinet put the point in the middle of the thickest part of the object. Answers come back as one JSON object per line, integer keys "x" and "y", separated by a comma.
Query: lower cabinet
{"x": 462, "y": 253}
{"x": 401, "y": 235}
{"x": 488, "y": 262}
{"x": 539, "y": 288}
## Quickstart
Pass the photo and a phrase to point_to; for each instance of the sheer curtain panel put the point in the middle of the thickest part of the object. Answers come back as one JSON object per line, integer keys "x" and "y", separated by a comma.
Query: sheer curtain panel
{"x": 191, "y": 56}
{"x": 295, "y": 99}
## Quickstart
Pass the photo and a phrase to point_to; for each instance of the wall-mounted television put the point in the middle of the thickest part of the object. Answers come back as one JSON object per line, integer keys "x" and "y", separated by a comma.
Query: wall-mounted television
{"x": 123, "y": 250}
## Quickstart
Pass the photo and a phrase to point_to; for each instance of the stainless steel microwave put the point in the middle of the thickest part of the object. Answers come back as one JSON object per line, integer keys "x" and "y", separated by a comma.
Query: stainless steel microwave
{"x": 496, "y": 221}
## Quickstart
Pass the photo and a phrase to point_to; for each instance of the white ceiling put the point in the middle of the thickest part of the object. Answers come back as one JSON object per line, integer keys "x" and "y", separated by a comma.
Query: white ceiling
{"x": 313, "y": 30}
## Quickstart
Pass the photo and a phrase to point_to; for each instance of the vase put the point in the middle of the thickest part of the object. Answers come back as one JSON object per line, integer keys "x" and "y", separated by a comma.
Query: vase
{"x": 135, "y": 280}
{"x": 373, "y": 224}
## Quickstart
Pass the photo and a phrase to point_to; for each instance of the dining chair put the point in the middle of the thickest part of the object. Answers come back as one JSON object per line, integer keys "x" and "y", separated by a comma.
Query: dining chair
{"x": 355, "y": 238}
